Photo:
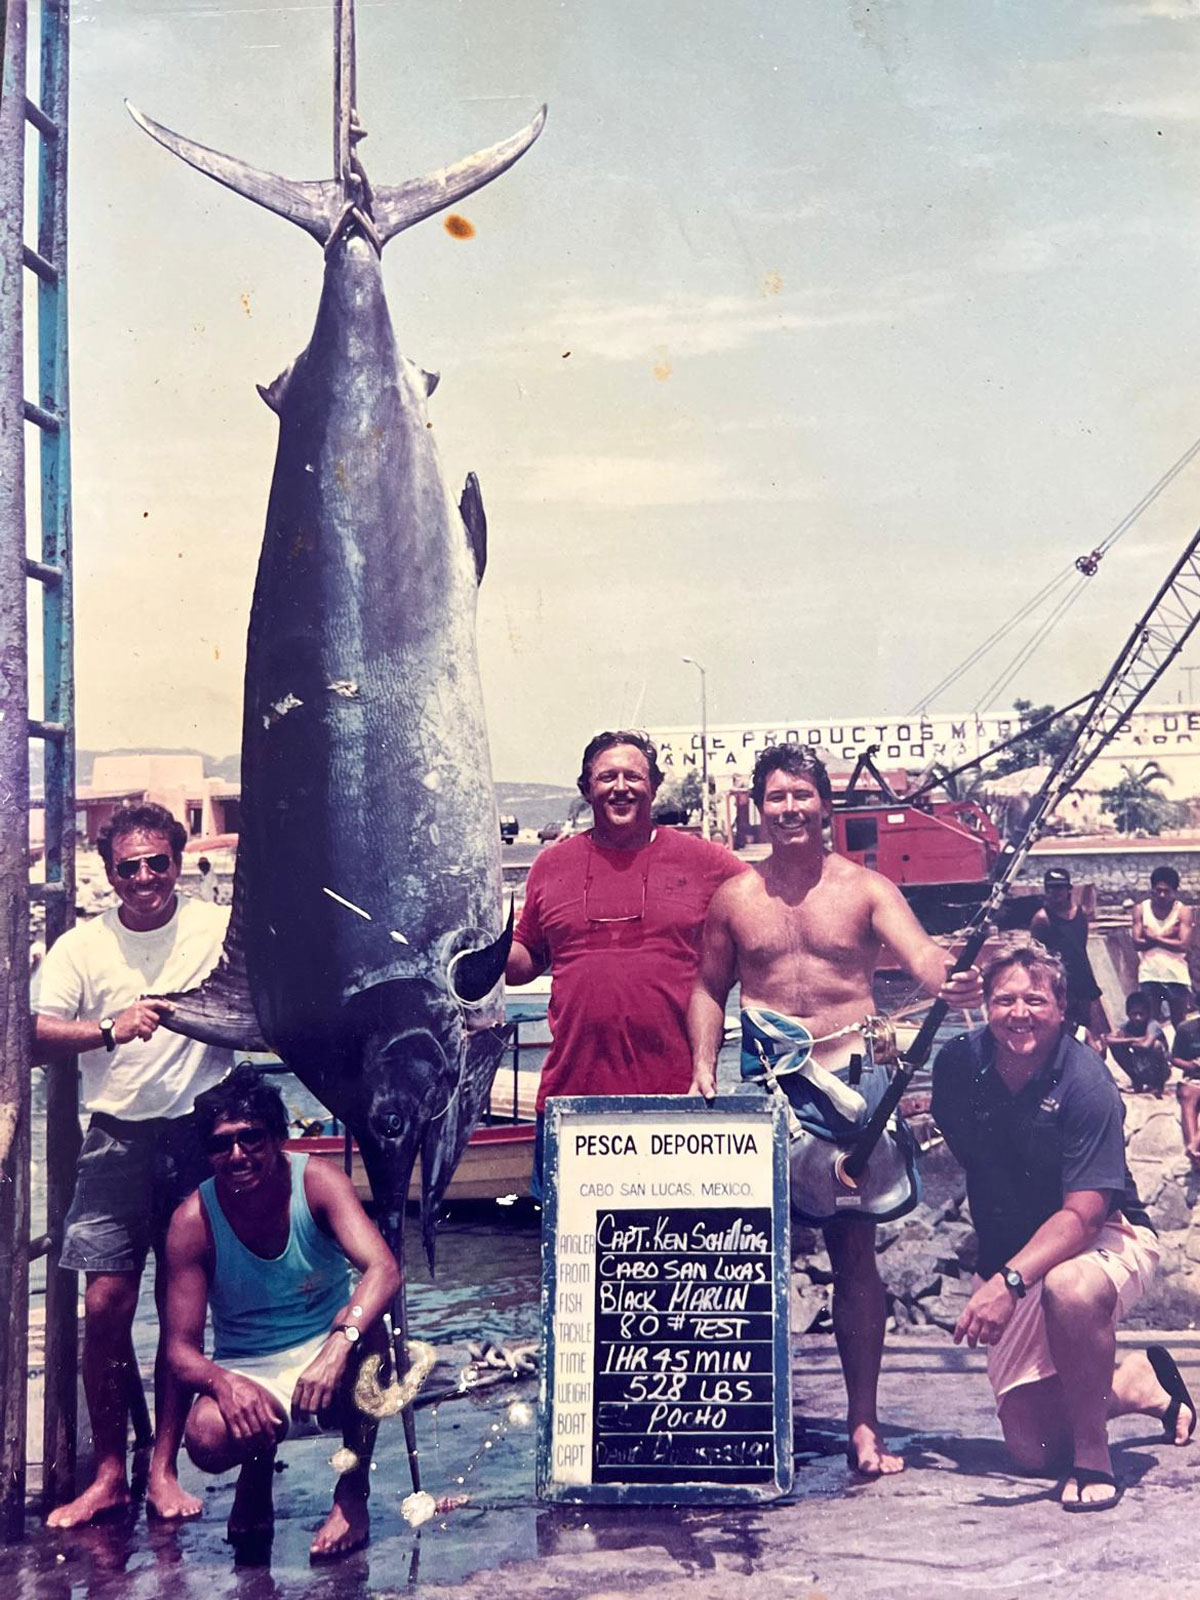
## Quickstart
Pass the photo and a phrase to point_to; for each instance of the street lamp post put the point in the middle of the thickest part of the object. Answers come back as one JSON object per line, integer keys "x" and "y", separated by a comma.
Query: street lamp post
{"x": 705, "y": 821}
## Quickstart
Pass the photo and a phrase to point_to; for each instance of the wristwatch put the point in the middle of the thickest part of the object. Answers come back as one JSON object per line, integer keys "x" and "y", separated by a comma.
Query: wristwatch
{"x": 1014, "y": 1281}
{"x": 350, "y": 1333}
{"x": 108, "y": 1032}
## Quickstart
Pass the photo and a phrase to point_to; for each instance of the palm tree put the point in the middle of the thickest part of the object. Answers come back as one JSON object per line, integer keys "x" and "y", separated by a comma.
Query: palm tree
{"x": 1136, "y": 805}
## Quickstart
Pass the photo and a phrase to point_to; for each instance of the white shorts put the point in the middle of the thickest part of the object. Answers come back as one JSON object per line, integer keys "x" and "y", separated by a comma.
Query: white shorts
{"x": 1126, "y": 1254}
{"x": 279, "y": 1374}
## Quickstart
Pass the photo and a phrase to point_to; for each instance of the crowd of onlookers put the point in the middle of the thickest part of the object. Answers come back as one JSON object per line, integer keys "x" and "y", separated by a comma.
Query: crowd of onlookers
{"x": 1158, "y": 1043}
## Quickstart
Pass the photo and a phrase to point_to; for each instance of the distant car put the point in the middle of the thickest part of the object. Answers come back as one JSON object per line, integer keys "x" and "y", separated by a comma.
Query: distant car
{"x": 550, "y": 830}
{"x": 509, "y": 828}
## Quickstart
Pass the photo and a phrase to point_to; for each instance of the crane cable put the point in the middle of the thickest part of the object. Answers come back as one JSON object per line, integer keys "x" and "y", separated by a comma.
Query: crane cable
{"x": 1086, "y": 565}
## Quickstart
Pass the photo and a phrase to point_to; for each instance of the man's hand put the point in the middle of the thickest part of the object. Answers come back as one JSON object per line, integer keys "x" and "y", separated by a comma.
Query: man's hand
{"x": 247, "y": 1409}
{"x": 704, "y": 1080}
{"x": 987, "y": 1313}
{"x": 141, "y": 1020}
{"x": 963, "y": 991}
{"x": 320, "y": 1383}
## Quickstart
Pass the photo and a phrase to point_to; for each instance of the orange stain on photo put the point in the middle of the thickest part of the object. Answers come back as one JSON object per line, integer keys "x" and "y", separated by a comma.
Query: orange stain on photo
{"x": 458, "y": 227}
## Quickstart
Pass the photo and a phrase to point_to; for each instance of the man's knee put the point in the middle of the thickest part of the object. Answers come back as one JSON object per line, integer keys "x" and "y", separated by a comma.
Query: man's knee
{"x": 205, "y": 1436}
{"x": 1076, "y": 1286}
{"x": 110, "y": 1302}
{"x": 851, "y": 1247}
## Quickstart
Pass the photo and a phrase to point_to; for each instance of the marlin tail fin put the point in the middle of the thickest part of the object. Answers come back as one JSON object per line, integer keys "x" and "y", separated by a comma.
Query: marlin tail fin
{"x": 318, "y": 206}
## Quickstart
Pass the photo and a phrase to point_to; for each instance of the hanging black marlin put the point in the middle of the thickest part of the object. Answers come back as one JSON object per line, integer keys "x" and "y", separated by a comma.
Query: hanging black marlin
{"x": 366, "y": 944}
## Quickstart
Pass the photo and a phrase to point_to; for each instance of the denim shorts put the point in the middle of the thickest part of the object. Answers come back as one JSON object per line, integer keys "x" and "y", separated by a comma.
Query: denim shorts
{"x": 130, "y": 1178}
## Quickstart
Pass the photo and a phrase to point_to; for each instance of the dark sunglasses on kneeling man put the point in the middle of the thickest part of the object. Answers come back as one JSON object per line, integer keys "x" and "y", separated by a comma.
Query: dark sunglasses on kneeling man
{"x": 250, "y": 1140}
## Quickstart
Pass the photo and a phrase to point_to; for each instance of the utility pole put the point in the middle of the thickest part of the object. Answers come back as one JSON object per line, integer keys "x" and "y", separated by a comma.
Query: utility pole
{"x": 705, "y": 817}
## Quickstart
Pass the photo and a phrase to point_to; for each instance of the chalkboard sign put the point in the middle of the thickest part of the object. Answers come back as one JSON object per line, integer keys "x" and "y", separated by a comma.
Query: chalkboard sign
{"x": 665, "y": 1278}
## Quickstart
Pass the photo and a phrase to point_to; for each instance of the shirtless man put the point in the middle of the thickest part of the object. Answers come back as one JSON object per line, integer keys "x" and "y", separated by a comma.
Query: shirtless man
{"x": 803, "y": 932}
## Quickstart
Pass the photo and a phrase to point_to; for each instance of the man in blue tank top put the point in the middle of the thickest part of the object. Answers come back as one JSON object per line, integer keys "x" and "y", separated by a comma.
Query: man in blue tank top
{"x": 267, "y": 1244}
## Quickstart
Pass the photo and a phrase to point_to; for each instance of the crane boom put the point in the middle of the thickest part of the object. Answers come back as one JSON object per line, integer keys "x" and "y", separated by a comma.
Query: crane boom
{"x": 1161, "y": 633}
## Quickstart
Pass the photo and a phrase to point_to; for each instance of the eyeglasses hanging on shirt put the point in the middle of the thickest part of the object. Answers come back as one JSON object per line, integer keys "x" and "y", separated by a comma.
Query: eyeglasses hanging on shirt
{"x": 617, "y": 900}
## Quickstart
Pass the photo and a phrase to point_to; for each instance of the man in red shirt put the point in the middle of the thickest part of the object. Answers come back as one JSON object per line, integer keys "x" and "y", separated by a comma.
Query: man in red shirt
{"x": 616, "y": 914}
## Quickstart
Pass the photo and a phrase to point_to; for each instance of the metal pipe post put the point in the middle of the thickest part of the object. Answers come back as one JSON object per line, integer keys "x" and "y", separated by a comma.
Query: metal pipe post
{"x": 15, "y": 1052}
{"x": 60, "y": 1395}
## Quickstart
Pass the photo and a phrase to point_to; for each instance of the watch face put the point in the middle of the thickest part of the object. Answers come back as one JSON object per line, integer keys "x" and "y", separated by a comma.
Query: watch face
{"x": 352, "y": 1335}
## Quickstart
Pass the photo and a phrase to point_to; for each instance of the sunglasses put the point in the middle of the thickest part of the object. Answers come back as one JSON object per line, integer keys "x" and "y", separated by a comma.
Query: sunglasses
{"x": 250, "y": 1140}
{"x": 598, "y": 908}
{"x": 158, "y": 864}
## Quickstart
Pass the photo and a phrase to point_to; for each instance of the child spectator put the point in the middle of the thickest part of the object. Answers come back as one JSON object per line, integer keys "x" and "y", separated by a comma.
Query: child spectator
{"x": 1140, "y": 1049}
{"x": 1185, "y": 1054}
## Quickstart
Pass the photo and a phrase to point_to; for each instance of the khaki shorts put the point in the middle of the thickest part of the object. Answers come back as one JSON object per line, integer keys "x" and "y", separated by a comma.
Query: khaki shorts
{"x": 279, "y": 1374}
{"x": 1127, "y": 1255}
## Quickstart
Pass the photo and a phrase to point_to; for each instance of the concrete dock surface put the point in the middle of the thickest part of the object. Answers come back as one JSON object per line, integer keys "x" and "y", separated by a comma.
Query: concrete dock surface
{"x": 958, "y": 1520}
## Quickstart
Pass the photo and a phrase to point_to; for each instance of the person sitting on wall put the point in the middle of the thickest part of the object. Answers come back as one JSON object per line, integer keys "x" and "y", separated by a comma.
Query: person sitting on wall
{"x": 266, "y": 1244}
{"x": 1140, "y": 1048}
{"x": 1065, "y": 1246}
{"x": 1185, "y": 1055}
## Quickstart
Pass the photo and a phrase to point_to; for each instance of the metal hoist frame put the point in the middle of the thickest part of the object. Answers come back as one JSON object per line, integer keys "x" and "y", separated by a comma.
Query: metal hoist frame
{"x": 51, "y": 569}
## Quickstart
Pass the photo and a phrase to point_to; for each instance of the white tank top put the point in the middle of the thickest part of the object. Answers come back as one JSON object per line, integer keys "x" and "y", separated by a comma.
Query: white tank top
{"x": 1158, "y": 965}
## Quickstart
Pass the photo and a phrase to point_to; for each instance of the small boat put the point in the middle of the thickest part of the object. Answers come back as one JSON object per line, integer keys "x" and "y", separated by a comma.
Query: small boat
{"x": 497, "y": 1162}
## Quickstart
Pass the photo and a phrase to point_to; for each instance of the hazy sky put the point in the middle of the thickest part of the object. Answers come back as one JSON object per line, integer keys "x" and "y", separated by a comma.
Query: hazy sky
{"x": 811, "y": 338}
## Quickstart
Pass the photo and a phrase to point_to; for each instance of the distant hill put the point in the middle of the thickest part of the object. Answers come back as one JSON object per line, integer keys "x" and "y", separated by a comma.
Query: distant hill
{"x": 531, "y": 803}
{"x": 535, "y": 803}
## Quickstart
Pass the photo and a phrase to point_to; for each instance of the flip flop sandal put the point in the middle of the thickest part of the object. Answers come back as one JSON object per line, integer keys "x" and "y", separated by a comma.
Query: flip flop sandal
{"x": 1171, "y": 1379}
{"x": 1085, "y": 1477}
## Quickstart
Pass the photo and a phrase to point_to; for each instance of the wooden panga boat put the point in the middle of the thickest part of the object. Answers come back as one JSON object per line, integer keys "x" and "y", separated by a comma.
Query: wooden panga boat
{"x": 497, "y": 1162}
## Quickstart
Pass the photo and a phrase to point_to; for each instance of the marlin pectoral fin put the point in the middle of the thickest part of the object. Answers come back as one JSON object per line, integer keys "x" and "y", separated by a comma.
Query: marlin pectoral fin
{"x": 475, "y": 519}
{"x": 476, "y": 973}
{"x": 314, "y": 206}
{"x": 220, "y": 1011}
{"x": 408, "y": 203}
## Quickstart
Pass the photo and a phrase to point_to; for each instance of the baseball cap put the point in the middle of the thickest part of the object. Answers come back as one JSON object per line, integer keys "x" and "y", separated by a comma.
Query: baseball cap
{"x": 1056, "y": 877}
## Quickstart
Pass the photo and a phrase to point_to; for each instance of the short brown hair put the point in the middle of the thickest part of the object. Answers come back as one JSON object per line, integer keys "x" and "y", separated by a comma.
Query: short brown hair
{"x": 1033, "y": 957}
{"x": 606, "y": 741}
{"x": 145, "y": 818}
{"x": 800, "y": 760}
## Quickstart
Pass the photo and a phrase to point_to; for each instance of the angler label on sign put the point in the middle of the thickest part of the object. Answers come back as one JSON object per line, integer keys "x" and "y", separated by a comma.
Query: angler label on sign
{"x": 665, "y": 1292}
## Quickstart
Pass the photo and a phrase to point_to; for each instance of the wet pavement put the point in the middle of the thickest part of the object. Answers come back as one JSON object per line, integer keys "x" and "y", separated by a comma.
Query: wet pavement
{"x": 959, "y": 1519}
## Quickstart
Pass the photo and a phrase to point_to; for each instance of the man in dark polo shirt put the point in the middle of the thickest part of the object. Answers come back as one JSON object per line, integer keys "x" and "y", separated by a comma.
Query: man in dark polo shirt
{"x": 1065, "y": 1247}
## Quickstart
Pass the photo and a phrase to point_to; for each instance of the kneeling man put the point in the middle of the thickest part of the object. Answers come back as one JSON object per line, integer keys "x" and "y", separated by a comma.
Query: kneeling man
{"x": 1065, "y": 1247}
{"x": 267, "y": 1243}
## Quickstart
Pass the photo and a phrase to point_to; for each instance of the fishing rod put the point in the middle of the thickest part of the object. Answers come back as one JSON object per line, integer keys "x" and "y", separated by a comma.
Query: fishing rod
{"x": 1153, "y": 645}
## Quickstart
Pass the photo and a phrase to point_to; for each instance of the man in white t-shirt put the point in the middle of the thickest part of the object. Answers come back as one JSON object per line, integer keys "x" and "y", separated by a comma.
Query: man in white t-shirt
{"x": 140, "y": 1157}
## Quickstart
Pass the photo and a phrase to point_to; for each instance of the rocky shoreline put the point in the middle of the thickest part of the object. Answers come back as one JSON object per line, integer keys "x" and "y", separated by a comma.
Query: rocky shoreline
{"x": 927, "y": 1258}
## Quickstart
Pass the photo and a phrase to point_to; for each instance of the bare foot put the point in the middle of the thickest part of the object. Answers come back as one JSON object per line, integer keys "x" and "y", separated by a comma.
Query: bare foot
{"x": 252, "y": 1515}
{"x": 106, "y": 1497}
{"x": 346, "y": 1528}
{"x": 866, "y": 1455}
{"x": 1095, "y": 1486}
{"x": 168, "y": 1500}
